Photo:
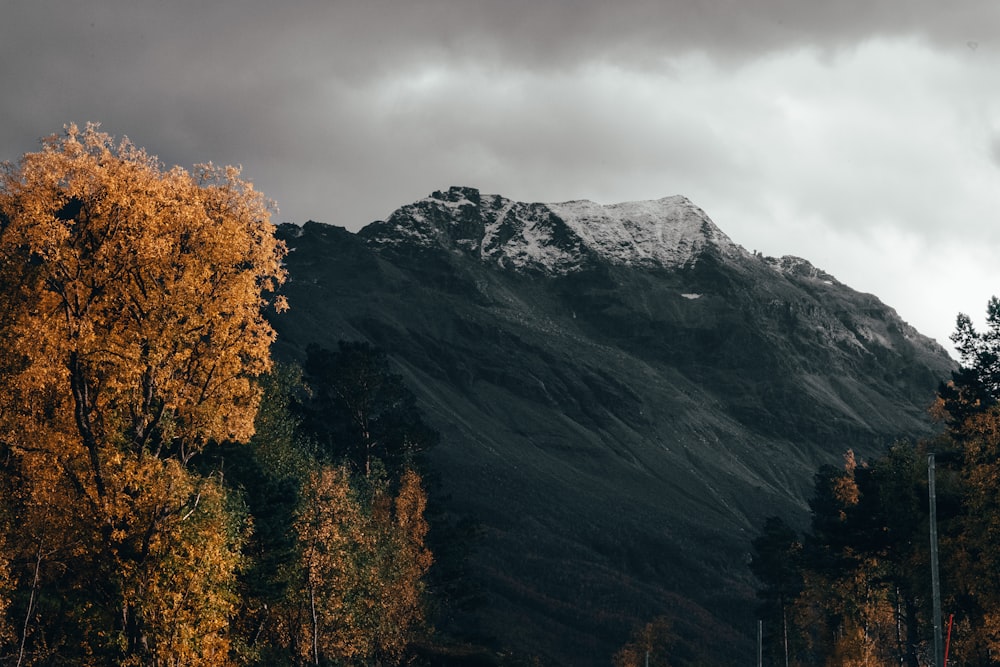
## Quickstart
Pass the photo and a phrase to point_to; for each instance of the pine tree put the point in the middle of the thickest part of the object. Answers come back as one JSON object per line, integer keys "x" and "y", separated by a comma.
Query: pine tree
{"x": 360, "y": 411}
{"x": 777, "y": 555}
{"x": 268, "y": 474}
{"x": 975, "y": 386}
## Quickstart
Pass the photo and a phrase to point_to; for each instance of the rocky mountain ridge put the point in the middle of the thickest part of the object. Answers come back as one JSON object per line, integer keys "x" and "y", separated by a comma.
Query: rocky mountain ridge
{"x": 623, "y": 394}
{"x": 555, "y": 238}
{"x": 560, "y": 239}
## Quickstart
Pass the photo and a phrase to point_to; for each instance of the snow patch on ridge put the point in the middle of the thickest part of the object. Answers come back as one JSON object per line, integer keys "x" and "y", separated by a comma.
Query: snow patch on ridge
{"x": 667, "y": 232}
{"x": 791, "y": 265}
{"x": 493, "y": 227}
{"x": 533, "y": 248}
{"x": 556, "y": 238}
{"x": 524, "y": 236}
{"x": 455, "y": 204}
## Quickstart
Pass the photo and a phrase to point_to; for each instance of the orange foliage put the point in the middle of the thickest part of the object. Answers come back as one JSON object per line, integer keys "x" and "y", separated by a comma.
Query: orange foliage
{"x": 362, "y": 568}
{"x": 653, "y": 642}
{"x": 845, "y": 488}
{"x": 405, "y": 562}
{"x": 330, "y": 530}
{"x": 132, "y": 331}
{"x": 135, "y": 304}
{"x": 6, "y": 588}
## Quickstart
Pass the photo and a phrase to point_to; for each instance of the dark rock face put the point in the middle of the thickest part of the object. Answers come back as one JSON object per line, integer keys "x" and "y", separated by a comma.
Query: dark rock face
{"x": 623, "y": 395}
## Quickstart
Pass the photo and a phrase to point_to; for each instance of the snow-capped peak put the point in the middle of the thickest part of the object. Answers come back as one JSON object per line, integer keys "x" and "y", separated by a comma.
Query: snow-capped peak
{"x": 555, "y": 238}
{"x": 666, "y": 232}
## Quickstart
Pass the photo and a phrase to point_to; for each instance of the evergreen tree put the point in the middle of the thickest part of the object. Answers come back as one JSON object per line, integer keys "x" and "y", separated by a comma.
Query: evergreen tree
{"x": 980, "y": 351}
{"x": 975, "y": 386}
{"x": 269, "y": 474}
{"x": 861, "y": 591}
{"x": 361, "y": 412}
{"x": 776, "y": 563}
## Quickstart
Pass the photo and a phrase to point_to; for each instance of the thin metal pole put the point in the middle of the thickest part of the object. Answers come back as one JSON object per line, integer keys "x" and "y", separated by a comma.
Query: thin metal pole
{"x": 760, "y": 643}
{"x": 935, "y": 580}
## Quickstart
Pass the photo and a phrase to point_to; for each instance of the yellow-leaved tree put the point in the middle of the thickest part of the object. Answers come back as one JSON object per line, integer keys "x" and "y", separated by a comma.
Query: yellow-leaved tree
{"x": 404, "y": 566}
{"x": 335, "y": 545}
{"x": 361, "y": 567}
{"x": 131, "y": 332}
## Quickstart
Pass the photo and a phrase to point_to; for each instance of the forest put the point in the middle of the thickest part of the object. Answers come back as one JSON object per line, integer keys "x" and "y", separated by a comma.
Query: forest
{"x": 168, "y": 494}
{"x": 855, "y": 586}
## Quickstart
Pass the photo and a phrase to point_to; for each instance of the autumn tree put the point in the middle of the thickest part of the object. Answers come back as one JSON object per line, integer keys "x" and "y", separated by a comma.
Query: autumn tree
{"x": 365, "y": 423}
{"x": 855, "y": 590}
{"x": 6, "y": 590}
{"x": 823, "y": 611}
{"x": 131, "y": 330}
{"x": 362, "y": 564}
{"x": 404, "y": 560}
{"x": 335, "y": 568}
{"x": 970, "y": 532}
{"x": 652, "y": 644}
{"x": 335, "y": 551}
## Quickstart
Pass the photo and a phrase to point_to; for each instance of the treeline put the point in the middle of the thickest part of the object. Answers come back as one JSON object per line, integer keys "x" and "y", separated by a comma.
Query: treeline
{"x": 169, "y": 496}
{"x": 335, "y": 566}
{"x": 855, "y": 589}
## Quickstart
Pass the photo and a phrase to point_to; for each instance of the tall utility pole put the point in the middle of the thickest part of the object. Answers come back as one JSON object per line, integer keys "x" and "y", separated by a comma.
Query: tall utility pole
{"x": 935, "y": 580}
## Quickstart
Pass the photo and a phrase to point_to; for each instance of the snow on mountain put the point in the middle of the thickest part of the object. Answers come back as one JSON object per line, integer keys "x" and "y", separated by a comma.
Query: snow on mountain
{"x": 668, "y": 232}
{"x": 556, "y": 238}
{"x": 791, "y": 265}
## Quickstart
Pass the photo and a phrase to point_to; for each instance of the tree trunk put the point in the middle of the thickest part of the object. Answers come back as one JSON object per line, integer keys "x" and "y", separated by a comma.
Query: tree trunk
{"x": 137, "y": 643}
{"x": 31, "y": 604}
{"x": 315, "y": 623}
{"x": 82, "y": 407}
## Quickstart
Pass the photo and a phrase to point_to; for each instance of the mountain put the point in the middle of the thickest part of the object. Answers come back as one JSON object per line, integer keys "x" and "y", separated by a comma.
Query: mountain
{"x": 623, "y": 394}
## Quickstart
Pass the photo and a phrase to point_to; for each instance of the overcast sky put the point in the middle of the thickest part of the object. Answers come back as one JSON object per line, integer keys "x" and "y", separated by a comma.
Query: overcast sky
{"x": 863, "y": 135}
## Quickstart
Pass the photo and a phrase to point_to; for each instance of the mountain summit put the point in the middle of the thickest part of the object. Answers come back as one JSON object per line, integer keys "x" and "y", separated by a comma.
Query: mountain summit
{"x": 623, "y": 393}
{"x": 555, "y": 238}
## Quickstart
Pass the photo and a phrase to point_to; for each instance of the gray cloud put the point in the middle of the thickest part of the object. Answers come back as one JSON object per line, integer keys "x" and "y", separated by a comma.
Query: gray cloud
{"x": 801, "y": 126}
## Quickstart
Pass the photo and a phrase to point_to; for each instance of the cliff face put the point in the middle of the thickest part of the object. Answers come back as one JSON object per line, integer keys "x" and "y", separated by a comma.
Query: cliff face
{"x": 623, "y": 394}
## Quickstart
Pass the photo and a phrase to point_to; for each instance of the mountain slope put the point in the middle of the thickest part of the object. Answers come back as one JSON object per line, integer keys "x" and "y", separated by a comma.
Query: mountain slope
{"x": 623, "y": 394}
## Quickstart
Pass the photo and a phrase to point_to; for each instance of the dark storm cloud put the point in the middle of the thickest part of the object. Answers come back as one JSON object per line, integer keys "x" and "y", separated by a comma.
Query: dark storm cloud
{"x": 543, "y": 34}
{"x": 313, "y": 97}
{"x": 234, "y": 79}
{"x": 149, "y": 50}
{"x": 802, "y": 126}
{"x": 539, "y": 34}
